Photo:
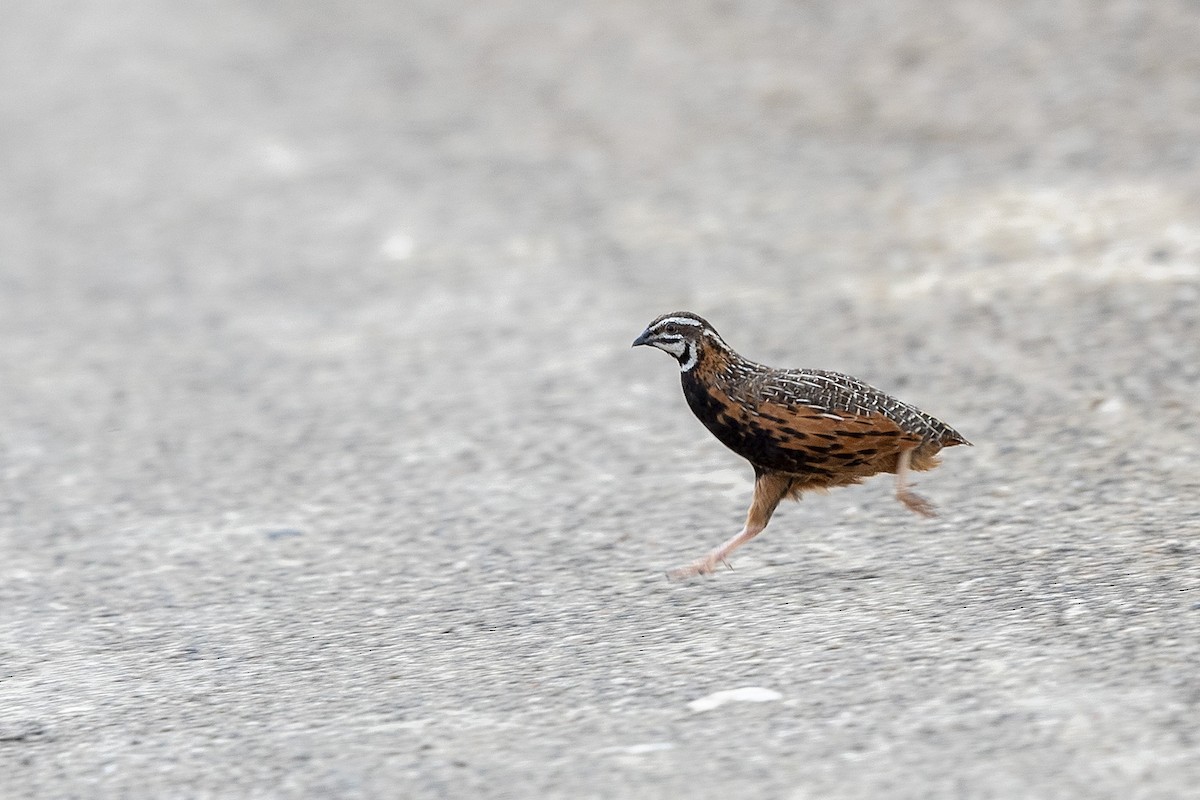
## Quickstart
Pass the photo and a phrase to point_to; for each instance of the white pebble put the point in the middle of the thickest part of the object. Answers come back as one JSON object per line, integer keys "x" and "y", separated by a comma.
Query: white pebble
{"x": 398, "y": 247}
{"x": 746, "y": 694}
{"x": 639, "y": 749}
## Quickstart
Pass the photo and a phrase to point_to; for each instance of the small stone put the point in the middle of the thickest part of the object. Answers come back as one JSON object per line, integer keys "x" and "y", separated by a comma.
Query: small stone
{"x": 746, "y": 694}
{"x": 276, "y": 534}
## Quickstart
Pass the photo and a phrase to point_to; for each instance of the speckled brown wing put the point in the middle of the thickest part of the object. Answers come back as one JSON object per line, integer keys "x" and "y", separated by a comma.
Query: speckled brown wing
{"x": 828, "y": 428}
{"x": 841, "y": 425}
{"x": 843, "y": 395}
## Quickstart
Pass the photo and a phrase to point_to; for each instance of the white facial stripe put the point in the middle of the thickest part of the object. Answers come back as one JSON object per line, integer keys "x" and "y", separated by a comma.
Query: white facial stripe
{"x": 680, "y": 321}
{"x": 675, "y": 348}
{"x": 695, "y": 323}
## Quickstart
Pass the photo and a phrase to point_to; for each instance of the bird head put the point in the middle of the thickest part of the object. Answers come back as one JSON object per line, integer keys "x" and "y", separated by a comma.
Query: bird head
{"x": 682, "y": 334}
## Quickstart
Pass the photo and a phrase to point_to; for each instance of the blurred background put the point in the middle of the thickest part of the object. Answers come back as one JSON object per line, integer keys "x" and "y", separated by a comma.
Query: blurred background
{"x": 327, "y": 470}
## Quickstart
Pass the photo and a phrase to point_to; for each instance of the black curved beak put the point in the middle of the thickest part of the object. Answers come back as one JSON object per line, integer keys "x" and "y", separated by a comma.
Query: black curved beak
{"x": 643, "y": 339}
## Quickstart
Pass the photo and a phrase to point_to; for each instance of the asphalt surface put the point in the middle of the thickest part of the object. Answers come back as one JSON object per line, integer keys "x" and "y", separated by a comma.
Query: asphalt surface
{"x": 327, "y": 470}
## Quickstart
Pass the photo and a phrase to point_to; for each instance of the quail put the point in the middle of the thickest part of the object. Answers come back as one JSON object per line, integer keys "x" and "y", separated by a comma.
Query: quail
{"x": 801, "y": 429}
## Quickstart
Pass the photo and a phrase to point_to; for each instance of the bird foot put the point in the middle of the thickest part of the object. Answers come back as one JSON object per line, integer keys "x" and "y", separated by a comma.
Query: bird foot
{"x": 916, "y": 503}
{"x": 701, "y": 566}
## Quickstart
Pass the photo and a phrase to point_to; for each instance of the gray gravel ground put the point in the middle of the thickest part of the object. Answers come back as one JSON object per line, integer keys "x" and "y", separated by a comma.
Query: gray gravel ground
{"x": 328, "y": 470}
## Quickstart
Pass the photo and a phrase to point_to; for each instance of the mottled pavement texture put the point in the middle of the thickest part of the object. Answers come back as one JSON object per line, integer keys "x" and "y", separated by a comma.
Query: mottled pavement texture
{"x": 327, "y": 470}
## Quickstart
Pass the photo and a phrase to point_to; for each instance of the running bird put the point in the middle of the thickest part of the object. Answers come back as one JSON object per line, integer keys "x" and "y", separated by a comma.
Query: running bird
{"x": 801, "y": 429}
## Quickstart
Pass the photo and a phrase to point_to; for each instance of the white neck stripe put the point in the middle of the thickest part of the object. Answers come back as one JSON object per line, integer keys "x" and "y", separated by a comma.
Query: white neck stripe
{"x": 693, "y": 356}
